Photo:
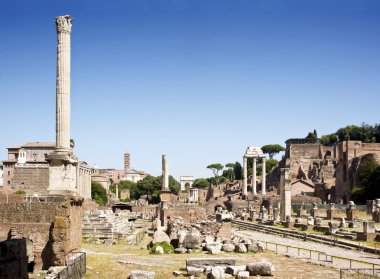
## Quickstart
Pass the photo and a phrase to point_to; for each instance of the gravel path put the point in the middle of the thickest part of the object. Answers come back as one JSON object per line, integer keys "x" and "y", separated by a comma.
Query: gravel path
{"x": 329, "y": 250}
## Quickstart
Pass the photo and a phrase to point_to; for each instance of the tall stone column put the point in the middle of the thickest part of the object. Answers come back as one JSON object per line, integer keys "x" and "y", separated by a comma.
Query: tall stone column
{"x": 264, "y": 177}
{"x": 254, "y": 176}
{"x": 63, "y": 174}
{"x": 244, "y": 192}
{"x": 165, "y": 174}
{"x": 286, "y": 194}
{"x": 63, "y": 24}
{"x": 165, "y": 191}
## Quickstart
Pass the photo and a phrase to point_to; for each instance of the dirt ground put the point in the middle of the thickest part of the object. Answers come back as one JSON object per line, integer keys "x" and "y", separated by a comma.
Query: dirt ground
{"x": 117, "y": 261}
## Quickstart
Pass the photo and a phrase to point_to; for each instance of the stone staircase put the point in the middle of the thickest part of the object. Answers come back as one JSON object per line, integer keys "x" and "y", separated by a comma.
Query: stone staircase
{"x": 105, "y": 224}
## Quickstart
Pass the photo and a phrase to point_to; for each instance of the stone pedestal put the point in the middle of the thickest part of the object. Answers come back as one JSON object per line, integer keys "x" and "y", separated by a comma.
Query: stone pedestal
{"x": 165, "y": 196}
{"x": 332, "y": 213}
{"x": 366, "y": 236}
{"x": 376, "y": 216}
{"x": 369, "y": 227}
{"x": 352, "y": 214}
{"x": 315, "y": 213}
{"x": 62, "y": 176}
{"x": 301, "y": 212}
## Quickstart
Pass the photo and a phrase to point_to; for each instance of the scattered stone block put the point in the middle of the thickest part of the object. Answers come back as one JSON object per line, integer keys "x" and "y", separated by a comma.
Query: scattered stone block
{"x": 141, "y": 274}
{"x": 260, "y": 268}
{"x": 241, "y": 248}
{"x": 243, "y": 275}
{"x": 217, "y": 272}
{"x": 228, "y": 247}
{"x": 194, "y": 271}
{"x": 235, "y": 269}
{"x": 160, "y": 236}
{"x": 214, "y": 248}
{"x": 203, "y": 262}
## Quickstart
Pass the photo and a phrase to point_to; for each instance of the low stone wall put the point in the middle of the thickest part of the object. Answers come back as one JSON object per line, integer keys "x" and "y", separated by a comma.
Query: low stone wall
{"x": 51, "y": 229}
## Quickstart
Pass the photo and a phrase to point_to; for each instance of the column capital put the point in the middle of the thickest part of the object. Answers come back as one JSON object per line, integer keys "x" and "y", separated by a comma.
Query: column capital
{"x": 63, "y": 24}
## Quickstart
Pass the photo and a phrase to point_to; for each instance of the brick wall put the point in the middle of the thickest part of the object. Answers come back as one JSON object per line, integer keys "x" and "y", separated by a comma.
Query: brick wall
{"x": 31, "y": 180}
{"x": 53, "y": 228}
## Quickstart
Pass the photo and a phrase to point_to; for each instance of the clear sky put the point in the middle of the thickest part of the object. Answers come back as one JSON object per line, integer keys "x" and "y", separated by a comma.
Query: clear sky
{"x": 198, "y": 81}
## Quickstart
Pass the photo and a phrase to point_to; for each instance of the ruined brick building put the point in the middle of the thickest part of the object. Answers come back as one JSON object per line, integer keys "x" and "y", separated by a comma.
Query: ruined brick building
{"x": 327, "y": 172}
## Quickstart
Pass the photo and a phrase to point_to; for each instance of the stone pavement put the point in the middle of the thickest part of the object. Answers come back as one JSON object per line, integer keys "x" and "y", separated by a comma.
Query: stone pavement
{"x": 329, "y": 250}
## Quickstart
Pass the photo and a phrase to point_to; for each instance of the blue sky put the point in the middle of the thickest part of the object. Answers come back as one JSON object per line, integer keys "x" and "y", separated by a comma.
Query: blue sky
{"x": 196, "y": 80}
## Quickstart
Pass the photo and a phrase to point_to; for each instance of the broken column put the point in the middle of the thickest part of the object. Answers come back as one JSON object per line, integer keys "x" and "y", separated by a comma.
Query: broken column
{"x": 165, "y": 191}
{"x": 62, "y": 162}
{"x": 286, "y": 194}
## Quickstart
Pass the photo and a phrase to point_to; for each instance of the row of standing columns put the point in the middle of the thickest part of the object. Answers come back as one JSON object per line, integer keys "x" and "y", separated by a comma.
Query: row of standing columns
{"x": 254, "y": 176}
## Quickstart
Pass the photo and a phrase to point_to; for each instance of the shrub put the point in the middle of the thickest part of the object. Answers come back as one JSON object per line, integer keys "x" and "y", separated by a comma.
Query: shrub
{"x": 20, "y": 192}
{"x": 167, "y": 247}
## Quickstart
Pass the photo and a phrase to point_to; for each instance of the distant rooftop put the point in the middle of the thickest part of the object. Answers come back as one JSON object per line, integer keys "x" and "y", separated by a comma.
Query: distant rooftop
{"x": 34, "y": 144}
{"x": 39, "y": 144}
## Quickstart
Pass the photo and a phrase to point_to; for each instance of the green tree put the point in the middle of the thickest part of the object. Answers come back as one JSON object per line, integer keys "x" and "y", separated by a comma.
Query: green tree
{"x": 364, "y": 133}
{"x": 229, "y": 172}
{"x": 150, "y": 186}
{"x": 270, "y": 164}
{"x": 98, "y": 193}
{"x": 201, "y": 183}
{"x": 329, "y": 140}
{"x": 216, "y": 168}
{"x": 125, "y": 184}
{"x": 174, "y": 185}
{"x": 368, "y": 179}
{"x": 312, "y": 135}
{"x": 238, "y": 170}
{"x": 272, "y": 149}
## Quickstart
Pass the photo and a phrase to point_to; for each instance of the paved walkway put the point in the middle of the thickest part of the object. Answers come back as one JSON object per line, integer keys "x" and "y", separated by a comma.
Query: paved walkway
{"x": 329, "y": 250}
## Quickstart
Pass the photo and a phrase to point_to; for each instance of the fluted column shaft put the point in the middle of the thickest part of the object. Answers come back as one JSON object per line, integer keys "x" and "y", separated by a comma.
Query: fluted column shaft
{"x": 63, "y": 24}
{"x": 264, "y": 174}
{"x": 254, "y": 177}
{"x": 165, "y": 174}
{"x": 244, "y": 192}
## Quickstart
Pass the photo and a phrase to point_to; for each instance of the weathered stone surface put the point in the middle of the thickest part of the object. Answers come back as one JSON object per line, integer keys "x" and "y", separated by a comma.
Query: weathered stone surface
{"x": 217, "y": 272}
{"x": 180, "y": 250}
{"x": 160, "y": 236}
{"x": 203, "y": 262}
{"x": 141, "y": 274}
{"x": 261, "y": 268}
{"x": 177, "y": 273}
{"x": 243, "y": 275}
{"x": 214, "y": 247}
{"x": 235, "y": 269}
{"x": 253, "y": 248}
{"x": 209, "y": 239}
{"x": 194, "y": 271}
{"x": 228, "y": 247}
{"x": 193, "y": 240}
{"x": 241, "y": 248}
